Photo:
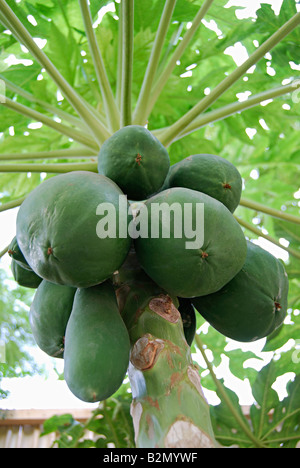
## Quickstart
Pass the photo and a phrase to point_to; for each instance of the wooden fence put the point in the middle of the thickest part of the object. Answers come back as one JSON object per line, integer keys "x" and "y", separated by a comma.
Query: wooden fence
{"x": 22, "y": 428}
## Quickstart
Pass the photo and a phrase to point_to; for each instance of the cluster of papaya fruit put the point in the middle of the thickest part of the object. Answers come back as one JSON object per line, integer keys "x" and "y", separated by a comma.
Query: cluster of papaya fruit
{"x": 238, "y": 287}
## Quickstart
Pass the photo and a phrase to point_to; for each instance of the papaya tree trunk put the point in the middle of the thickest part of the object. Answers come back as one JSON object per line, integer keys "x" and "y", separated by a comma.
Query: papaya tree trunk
{"x": 168, "y": 408}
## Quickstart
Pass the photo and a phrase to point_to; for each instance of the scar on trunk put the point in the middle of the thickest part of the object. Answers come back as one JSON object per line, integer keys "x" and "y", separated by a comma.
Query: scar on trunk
{"x": 163, "y": 306}
{"x": 145, "y": 352}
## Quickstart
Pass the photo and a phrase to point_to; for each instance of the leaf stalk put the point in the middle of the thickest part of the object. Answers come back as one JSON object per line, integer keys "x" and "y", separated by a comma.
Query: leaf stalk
{"x": 127, "y": 61}
{"x": 110, "y": 106}
{"x": 270, "y": 211}
{"x": 259, "y": 233}
{"x": 76, "y": 135}
{"x": 180, "y": 49}
{"x": 69, "y": 153}
{"x": 140, "y": 112}
{"x": 49, "y": 168}
{"x": 12, "y": 204}
{"x": 180, "y": 125}
{"x": 235, "y": 107}
{"x": 4, "y": 251}
{"x": 79, "y": 104}
{"x": 75, "y": 121}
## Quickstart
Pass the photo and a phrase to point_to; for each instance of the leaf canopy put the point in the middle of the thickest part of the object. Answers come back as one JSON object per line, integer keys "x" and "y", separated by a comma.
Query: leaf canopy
{"x": 261, "y": 141}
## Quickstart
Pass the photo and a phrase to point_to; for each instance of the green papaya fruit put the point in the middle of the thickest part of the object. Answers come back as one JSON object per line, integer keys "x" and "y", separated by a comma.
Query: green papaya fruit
{"x": 188, "y": 317}
{"x": 14, "y": 252}
{"x": 97, "y": 344}
{"x": 24, "y": 277}
{"x": 136, "y": 160}
{"x": 57, "y": 229}
{"x": 185, "y": 267}
{"x": 254, "y": 303}
{"x": 48, "y": 316}
{"x": 208, "y": 174}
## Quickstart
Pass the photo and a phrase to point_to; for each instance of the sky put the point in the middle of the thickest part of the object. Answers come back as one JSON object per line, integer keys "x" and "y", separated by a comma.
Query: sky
{"x": 39, "y": 392}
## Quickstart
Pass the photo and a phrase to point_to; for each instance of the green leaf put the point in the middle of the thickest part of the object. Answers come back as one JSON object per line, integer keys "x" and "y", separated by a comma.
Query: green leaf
{"x": 226, "y": 429}
{"x": 288, "y": 331}
{"x": 111, "y": 421}
{"x": 114, "y": 422}
{"x": 57, "y": 423}
{"x": 286, "y": 417}
{"x": 63, "y": 51}
{"x": 237, "y": 358}
{"x": 281, "y": 428}
{"x": 264, "y": 395}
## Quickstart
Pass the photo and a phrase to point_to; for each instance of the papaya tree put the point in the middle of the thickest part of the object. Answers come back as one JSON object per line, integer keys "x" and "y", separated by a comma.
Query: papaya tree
{"x": 126, "y": 105}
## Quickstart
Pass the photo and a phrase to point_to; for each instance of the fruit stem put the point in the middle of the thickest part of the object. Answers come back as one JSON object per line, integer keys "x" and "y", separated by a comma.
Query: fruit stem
{"x": 127, "y": 29}
{"x": 169, "y": 135}
{"x": 258, "y": 232}
{"x": 12, "y": 22}
{"x": 222, "y": 391}
{"x": 145, "y": 95}
{"x": 110, "y": 106}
